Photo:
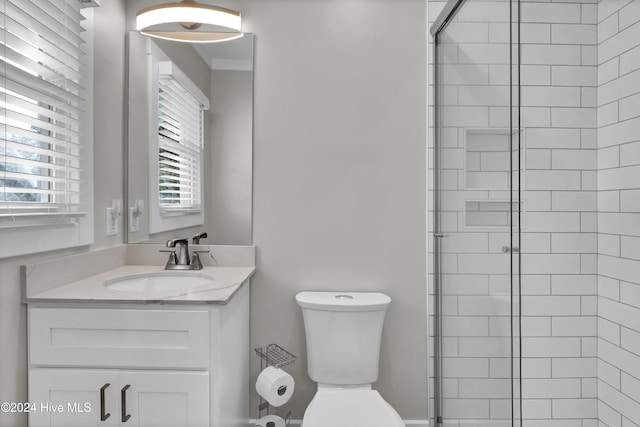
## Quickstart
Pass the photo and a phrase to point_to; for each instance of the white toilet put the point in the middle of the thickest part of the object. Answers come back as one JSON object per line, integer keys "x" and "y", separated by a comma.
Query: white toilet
{"x": 343, "y": 331}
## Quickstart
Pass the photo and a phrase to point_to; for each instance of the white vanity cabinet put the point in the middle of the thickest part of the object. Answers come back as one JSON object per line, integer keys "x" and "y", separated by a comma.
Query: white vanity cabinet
{"x": 145, "y": 365}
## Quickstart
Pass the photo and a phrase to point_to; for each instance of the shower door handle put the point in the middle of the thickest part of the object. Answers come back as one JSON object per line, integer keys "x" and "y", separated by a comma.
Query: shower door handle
{"x": 507, "y": 249}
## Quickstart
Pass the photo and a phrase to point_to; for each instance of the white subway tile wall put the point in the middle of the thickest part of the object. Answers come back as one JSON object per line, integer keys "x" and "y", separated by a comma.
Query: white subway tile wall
{"x": 581, "y": 198}
{"x": 559, "y": 382}
{"x": 619, "y": 213}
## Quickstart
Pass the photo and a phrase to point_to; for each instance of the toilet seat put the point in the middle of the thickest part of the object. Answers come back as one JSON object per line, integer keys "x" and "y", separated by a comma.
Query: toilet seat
{"x": 350, "y": 408}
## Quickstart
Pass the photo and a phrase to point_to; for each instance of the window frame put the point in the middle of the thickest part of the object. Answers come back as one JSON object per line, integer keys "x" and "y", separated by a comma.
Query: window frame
{"x": 54, "y": 230}
{"x": 162, "y": 219}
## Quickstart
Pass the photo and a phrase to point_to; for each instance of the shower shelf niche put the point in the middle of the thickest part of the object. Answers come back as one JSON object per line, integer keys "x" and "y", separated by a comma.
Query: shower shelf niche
{"x": 490, "y": 164}
{"x": 491, "y": 213}
{"x": 487, "y": 158}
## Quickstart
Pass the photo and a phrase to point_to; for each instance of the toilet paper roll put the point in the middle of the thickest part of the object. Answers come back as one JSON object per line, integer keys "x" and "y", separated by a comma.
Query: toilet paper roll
{"x": 275, "y": 386}
{"x": 270, "y": 421}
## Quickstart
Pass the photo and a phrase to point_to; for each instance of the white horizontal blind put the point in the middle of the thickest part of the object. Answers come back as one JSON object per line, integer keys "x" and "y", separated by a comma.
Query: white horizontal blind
{"x": 180, "y": 141}
{"x": 41, "y": 89}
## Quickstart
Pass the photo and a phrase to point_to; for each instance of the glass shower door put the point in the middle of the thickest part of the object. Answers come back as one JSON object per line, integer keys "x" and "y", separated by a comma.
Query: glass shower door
{"x": 476, "y": 174}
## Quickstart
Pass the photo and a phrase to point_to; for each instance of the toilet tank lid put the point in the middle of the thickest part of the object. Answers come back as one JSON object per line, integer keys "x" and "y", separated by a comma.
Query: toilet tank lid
{"x": 343, "y": 301}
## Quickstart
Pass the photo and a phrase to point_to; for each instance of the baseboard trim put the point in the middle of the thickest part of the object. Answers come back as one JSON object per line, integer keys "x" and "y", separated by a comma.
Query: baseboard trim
{"x": 298, "y": 423}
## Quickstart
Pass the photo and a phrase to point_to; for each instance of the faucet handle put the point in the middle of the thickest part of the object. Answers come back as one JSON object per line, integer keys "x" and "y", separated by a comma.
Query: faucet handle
{"x": 195, "y": 260}
{"x": 173, "y": 258}
{"x": 196, "y": 238}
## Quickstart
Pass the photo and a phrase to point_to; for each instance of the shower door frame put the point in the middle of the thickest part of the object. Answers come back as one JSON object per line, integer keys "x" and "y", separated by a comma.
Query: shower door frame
{"x": 451, "y": 8}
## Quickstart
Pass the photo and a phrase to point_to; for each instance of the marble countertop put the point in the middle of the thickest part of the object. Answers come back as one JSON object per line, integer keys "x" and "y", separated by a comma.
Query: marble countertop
{"x": 92, "y": 289}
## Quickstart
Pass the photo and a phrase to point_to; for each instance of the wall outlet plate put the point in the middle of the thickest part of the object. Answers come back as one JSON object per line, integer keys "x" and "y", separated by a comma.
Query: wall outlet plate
{"x": 134, "y": 220}
{"x": 112, "y": 222}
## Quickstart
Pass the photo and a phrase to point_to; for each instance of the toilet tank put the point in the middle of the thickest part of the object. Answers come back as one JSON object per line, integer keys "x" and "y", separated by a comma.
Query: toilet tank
{"x": 343, "y": 331}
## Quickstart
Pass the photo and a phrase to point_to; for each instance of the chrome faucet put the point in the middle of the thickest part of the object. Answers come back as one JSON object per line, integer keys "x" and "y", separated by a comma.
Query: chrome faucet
{"x": 181, "y": 260}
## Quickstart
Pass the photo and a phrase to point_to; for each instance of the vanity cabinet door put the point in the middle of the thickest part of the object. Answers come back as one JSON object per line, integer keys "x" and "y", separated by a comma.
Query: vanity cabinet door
{"x": 106, "y": 398}
{"x": 73, "y": 398}
{"x": 164, "y": 399}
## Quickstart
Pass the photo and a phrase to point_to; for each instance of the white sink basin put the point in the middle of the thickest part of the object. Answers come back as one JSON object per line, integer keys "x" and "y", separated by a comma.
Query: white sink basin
{"x": 158, "y": 282}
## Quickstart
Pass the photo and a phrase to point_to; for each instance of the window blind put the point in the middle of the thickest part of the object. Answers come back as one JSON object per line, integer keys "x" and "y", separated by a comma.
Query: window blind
{"x": 180, "y": 142}
{"x": 41, "y": 103}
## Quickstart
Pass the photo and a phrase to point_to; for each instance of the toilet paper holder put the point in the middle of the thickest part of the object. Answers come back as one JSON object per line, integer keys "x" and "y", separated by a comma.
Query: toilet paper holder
{"x": 273, "y": 355}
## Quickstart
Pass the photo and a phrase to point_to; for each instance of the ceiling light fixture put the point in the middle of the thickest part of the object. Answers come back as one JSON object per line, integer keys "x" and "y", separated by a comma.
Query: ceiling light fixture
{"x": 188, "y": 21}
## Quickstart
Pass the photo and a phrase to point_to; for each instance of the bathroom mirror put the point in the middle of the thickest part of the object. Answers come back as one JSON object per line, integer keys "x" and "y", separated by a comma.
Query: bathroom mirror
{"x": 223, "y": 73}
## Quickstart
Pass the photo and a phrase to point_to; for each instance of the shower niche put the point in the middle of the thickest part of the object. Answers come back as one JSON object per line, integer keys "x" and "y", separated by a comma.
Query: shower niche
{"x": 490, "y": 167}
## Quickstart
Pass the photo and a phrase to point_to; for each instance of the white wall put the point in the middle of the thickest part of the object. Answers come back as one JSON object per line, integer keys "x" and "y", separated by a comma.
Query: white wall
{"x": 339, "y": 175}
{"x": 619, "y": 213}
{"x": 109, "y": 115}
{"x": 229, "y": 210}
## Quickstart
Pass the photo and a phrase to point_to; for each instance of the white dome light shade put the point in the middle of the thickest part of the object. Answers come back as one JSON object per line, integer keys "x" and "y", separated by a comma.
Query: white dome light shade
{"x": 189, "y": 21}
